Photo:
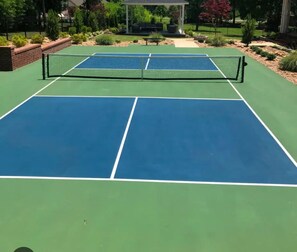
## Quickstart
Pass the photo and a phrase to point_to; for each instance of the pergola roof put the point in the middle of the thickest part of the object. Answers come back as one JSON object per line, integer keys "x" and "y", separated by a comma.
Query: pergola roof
{"x": 155, "y": 2}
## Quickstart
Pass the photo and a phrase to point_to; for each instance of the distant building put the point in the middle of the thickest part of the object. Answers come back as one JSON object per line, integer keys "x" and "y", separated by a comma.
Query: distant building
{"x": 75, "y": 3}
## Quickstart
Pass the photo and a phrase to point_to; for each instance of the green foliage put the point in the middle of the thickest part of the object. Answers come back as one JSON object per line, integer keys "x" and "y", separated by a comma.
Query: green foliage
{"x": 77, "y": 38}
{"x": 248, "y": 30}
{"x": 93, "y": 22}
{"x": 264, "y": 54}
{"x": 72, "y": 30}
{"x": 114, "y": 30}
{"x": 19, "y": 40}
{"x": 258, "y": 50}
{"x": 156, "y": 35}
{"x": 3, "y": 41}
{"x": 78, "y": 21}
{"x": 37, "y": 39}
{"x": 218, "y": 41}
{"x": 86, "y": 29}
{"x": 135, "y": 41}
{"x": 114, "y": 11}
{"x": 118, "y": 41}
{"x": 140, "y": 14}
{"x": 104, "y": 40}
{"x": 289, "y": 63}
{"x": 189, "y": 32}
{"x": 52, "y": 29}
{"x": 63, "y": 35}
{"x": 271, "y": 56}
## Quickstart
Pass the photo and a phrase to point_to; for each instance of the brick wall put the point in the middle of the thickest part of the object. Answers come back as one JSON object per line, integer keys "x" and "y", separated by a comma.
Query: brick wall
{"x": 12, "y": 58}
{"x": 55, "y": 46}
{"x": 6, "y": 53}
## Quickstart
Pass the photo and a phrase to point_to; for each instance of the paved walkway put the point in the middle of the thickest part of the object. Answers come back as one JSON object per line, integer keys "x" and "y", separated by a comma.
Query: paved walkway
{"x": 184, "y": 42}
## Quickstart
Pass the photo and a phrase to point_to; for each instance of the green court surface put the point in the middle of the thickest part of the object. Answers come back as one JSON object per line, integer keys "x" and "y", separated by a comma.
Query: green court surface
{"x": 76, "y": 215}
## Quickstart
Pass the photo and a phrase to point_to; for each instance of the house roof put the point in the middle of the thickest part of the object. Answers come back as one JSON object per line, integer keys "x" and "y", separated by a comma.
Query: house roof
{"x": 75, "y": 2}
{"x": 155, "y": 2}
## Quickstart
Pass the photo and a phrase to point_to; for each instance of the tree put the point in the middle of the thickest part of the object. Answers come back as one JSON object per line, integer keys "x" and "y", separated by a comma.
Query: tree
{"x": 78, "y": 21}
{"x": 52, "y": 28}
{"x": 248, "y": 30}
{"x": 193, "y": 11}
{"x": 215, "y": 11}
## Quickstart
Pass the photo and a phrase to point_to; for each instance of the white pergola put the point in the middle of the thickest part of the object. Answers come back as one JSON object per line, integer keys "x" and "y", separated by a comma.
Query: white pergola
{"x": 285, "y": 16}
{"x": 180, "y": 3}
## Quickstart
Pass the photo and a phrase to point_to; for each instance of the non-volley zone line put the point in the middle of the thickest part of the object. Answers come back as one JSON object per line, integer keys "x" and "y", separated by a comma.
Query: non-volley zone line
{"x": 182, "y": 62}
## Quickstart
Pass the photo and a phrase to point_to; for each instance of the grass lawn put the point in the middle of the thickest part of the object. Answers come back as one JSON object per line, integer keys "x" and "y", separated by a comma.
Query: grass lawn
{"x": 228, "y": 32}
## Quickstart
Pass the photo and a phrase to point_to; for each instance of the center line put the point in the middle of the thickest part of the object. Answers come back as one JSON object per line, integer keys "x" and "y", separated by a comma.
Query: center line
{"x": 148, "y": 61}
{"x": 115, "y": 166}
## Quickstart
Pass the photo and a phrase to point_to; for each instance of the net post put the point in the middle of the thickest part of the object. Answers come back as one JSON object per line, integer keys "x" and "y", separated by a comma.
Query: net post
{"x": 43, "y": 67}
{"x": 244, "y": 64}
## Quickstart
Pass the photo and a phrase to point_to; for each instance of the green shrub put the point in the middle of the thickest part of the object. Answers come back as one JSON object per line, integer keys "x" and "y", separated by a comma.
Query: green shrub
{"x": 37, "y": 39}
{"x": 156, "y": 35}
{"x": 254, "y": 48}
{"x": 86, "y": 29}
{"x": 248, "y": 30}
{"x": 114, "y": 30}
{"x": 104, "y": 40}
{"x": 3, "y": 41}
{"x": 258, "y": 50}
{"x": 77, "y": 38}
{"x": 289, "y": 63}
{"x": 52, "y": 28}
{"x": 19, "y": 40}
{"x": 135, "y": 41}
{"x": 118, "y": 41}
{"x": 218, "y": 41}
{"x": 263, "y": 53}
{"x": 271, "y": 56}
{"x": 72, "y": 30}
{"x": 272, "y": 35}
{"x": 189, "y": 32}
{"x": 63, "y": 35}
{"x": 84, "y": 37}
{"x": 231, "y": 42}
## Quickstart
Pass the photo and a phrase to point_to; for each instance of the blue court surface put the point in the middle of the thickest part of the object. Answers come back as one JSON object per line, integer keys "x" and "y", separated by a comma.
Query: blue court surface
{"x": 198, "y": 62}
{"x": 167, "y": 139}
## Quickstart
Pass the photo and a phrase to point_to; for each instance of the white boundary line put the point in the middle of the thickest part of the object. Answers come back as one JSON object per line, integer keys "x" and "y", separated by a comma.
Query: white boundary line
{"x": 259, "y": 119}
{"x": 147, "y": 62}
{"x": 151, "y": 181}
{"x": 141, "y": 97}
{"x": 115, "y": 166}
{"x": 13, "y": 109}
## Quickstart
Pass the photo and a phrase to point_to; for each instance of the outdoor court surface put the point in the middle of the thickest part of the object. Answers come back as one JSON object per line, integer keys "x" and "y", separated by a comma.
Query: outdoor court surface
{"x": 138, "y": 165}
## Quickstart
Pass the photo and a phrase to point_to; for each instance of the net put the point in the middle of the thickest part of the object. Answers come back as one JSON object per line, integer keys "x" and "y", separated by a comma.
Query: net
{"x": 145, "y": 66}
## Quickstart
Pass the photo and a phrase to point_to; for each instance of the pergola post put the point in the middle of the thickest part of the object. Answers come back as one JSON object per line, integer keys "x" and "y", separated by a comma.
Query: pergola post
{"x": 182, "y": 18}
{"x": 285, "y": 16}
{"x": 127, "y": 19}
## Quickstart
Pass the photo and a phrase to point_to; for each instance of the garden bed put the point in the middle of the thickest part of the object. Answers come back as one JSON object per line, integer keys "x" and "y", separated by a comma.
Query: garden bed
{"x": 13, "y": 58}
{"x": 271, "y": 64}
